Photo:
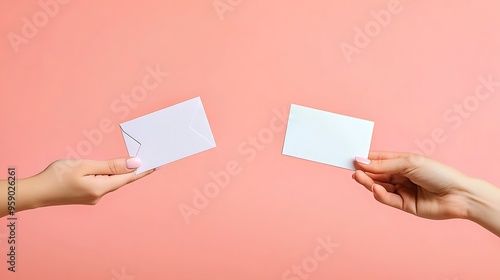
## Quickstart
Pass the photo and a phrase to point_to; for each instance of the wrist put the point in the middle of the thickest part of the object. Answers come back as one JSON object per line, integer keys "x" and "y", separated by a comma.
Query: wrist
{"x": 33, "y": 192}
{"x": 483, "y": 204}
{"x": 27, "y": 195}
{"x": 477, "y": 199}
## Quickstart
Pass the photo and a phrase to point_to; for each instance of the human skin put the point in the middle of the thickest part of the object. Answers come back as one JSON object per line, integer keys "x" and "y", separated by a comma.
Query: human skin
{"x": 70, "y": 182}
{"x": 409, "y": 182}
{"x": 428, "y": 189}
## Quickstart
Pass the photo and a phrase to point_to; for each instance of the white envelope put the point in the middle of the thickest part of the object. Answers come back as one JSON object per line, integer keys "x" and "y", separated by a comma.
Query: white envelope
{"x": 168, "y": 135}
{"x": 326, "y": 137}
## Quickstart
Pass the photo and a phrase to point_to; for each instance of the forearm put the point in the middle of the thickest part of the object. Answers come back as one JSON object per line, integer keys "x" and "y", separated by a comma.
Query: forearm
{"x": 484, "y": 205}
{"x": 22, "y": 197}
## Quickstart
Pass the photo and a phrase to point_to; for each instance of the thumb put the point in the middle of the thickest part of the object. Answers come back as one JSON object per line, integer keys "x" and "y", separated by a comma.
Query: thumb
{"x": 112, "y": 167}
{"x": 400, "y": 165}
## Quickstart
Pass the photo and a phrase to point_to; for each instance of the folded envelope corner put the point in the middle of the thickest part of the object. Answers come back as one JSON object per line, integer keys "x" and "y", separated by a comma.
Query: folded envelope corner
{"x": 133, "y": 146}
{"x": 199, "y": 124}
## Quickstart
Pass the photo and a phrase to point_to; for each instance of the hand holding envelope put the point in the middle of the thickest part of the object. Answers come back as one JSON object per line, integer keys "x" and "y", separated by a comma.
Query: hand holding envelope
{"x": 168, "y": 135}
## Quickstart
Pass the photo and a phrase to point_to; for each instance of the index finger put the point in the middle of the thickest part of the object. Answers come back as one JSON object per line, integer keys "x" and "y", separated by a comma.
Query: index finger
{"x": 114, "y": 182}
{"x": 399, "y": 165}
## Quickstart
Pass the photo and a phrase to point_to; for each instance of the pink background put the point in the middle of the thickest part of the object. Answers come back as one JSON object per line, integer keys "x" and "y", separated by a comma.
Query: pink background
{"x": 259, "y": 57}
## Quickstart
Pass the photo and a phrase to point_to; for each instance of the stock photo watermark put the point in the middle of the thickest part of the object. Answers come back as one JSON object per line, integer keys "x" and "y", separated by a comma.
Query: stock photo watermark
{"x": 363, "y": 36}
{"x": 48, "y": 9}
{"x": 122, "y": 275}
{"x": 225, "y": 6}
{"x": 249, "y": 149}
{"x": 12, "y": 222}
{"x": 122, "y": 107}
{"x": 310, "y": 264}
{"x": 454, "y": 117}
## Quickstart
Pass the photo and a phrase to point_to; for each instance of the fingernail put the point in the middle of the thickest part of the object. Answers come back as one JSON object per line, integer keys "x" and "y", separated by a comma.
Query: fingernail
{"x": 363, "y": 160}
{"x": 133, "y": 163}
{"x": 353, "y": 175}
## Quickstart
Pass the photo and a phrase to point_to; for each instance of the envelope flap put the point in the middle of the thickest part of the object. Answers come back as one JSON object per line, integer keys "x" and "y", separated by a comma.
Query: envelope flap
{"x": 133, "y": 146}
{"x": 200, "y": 124}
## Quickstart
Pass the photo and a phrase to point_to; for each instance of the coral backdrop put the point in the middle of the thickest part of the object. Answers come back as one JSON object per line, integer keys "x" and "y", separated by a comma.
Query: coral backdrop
{"x": 425, "y": 72}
